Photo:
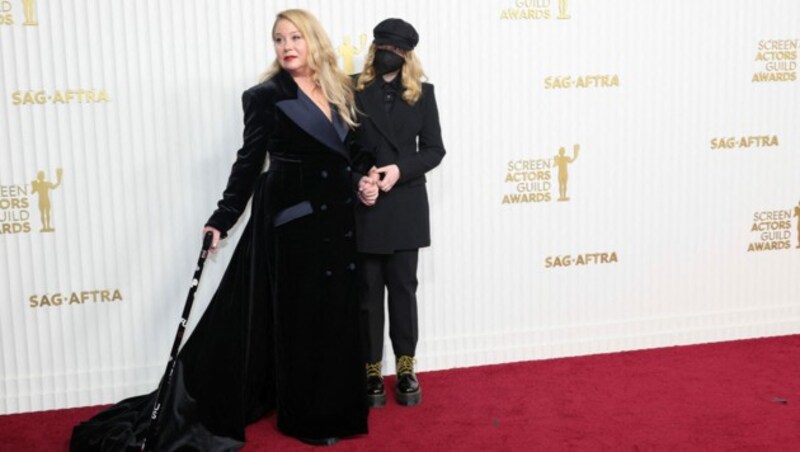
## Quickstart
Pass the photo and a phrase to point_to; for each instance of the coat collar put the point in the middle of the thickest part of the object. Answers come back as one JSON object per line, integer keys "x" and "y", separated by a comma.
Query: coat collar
{"x": 372, "y": 99}
{"x": 303, "y": 112}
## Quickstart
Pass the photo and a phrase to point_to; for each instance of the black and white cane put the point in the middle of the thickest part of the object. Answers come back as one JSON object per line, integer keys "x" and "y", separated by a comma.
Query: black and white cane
{"x": 166, "y": 381}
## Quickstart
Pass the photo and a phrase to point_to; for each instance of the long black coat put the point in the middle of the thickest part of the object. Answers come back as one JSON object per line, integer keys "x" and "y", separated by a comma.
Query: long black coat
{"x": 282, "y": 330}
{"x": 410, "y": 137}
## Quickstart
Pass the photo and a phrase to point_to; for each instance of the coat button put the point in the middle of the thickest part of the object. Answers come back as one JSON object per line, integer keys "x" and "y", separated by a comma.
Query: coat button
{"x": 328, "y": 273}
{"x": 352, "y": 266}
{"x": 324, "y": 174}
{"x": 323, "y": 207}
{"x": 348, "y": 169}
{"x": 326, "y": 240}
{"x": 348, "y": 200}
{"x": 349, "y": 234}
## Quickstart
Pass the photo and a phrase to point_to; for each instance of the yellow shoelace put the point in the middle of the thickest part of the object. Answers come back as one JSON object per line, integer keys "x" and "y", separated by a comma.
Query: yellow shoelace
{"x": 373, "y": 369}
{"x": 405, "y": 365}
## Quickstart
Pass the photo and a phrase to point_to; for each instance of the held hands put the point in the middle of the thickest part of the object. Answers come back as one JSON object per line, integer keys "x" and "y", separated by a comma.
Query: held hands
{"x": 382, "y": 178}
{"x": 368, "y": 188}
{"x": 387, "y": 176}
{"x": 214, "y": 239}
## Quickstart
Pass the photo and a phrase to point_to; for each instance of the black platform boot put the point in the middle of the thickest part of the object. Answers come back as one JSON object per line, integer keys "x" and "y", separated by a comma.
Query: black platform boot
{"x": 376, "y": 394}
{"x": 409, "y": 392}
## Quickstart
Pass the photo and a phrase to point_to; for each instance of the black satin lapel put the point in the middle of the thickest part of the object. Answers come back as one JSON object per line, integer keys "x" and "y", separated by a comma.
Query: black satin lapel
{"x": 373, "y": 104}
{"x": 313, "y": 121}
{"x": 339, "y": 125}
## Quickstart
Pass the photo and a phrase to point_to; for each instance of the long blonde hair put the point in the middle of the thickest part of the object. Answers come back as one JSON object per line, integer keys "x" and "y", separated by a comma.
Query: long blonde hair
{"x": 411, "y": 75}
{"x": 334, "y": 83}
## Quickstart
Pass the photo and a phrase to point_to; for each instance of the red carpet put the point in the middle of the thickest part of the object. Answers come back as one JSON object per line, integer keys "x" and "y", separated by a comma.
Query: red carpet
{"x": 742, "y": 395}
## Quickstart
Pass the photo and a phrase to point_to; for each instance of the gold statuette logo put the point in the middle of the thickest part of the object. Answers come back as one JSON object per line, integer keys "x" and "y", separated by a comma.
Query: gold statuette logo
{"x": 562, "y": 161}
{"x": 532, "y": 179}
{"x": 348, "y": 53}
{"x": 15, "y": 204}
{"x": 797, "y": 214}
{"x": 28, "y": 12}
{"x": 563, "y": 5}
{"x": 42, "y": 188}
{"x": 29, "y": 9}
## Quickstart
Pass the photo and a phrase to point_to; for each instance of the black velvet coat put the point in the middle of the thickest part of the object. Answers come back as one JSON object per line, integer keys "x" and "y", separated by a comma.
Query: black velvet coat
{"x": 282, "y": 330}
{"x": 410, "y": 137}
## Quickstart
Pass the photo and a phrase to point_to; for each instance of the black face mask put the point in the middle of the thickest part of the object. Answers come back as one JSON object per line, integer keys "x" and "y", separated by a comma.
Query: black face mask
{"x": 387, "y": 61}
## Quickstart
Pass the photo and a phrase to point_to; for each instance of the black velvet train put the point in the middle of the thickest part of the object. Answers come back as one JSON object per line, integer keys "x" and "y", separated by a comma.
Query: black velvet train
{"x": 282, "y": 331}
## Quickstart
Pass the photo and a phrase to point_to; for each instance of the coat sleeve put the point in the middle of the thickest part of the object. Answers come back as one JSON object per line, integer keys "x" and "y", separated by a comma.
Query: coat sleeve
{"x": 259, "y": 122}
{"x": 361, "y": 159}
{"x": 430, "y": 147}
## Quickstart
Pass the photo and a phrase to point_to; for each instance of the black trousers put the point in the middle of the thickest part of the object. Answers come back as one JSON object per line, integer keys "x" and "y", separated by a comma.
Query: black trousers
{"x": 397, "y": 273}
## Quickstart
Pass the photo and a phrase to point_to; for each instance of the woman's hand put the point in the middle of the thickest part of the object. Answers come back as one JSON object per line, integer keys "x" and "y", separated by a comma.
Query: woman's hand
{"x": 214, "y": 239}
{"x": 368, "y": 190}
{"x": 391, "y": 174}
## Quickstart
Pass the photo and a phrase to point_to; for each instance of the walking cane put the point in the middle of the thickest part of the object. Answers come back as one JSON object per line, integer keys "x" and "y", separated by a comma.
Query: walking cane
{"x": 166, "y": 381}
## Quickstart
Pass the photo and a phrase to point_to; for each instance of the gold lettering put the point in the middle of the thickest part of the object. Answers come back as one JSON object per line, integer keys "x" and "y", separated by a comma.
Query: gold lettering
{"x": 517, "y": 198}
{"x": 581, "y": 259}
{"x": 582, "y": 81}
{"x": 769, "y": 246}
{"x": 76, "y": 297}
{"x": 774, "y": 77}
{"x": 772, "y": 215}
{"x": 15, "y": 228}
{"x": 778, "y": 44}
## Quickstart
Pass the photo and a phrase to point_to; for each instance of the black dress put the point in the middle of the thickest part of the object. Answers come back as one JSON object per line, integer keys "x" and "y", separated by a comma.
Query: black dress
{"x": 282, "y": 331}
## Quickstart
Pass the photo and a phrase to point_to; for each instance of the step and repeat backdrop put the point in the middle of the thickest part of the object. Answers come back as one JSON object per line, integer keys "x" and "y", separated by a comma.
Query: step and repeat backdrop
{"x": 620, "y": 175}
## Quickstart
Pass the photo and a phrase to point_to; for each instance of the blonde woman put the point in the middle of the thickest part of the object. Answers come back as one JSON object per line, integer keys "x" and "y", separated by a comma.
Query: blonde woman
{"x": 282, "y": 331}
{"x": 401, "y": 127}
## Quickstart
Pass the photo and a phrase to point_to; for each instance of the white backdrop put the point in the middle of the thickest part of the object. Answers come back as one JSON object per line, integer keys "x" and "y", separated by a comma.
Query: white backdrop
{"x": 684, "y": 113}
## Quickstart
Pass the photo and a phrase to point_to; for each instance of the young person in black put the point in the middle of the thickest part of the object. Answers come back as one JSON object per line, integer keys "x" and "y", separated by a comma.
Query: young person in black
{"x": 399, "y": 124}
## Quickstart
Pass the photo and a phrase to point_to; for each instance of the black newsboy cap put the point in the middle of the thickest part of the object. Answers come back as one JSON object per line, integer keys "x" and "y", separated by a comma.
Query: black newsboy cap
{"x": 396, "y": 32}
